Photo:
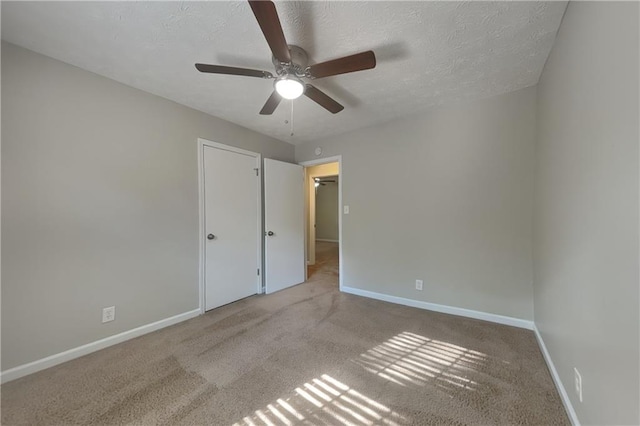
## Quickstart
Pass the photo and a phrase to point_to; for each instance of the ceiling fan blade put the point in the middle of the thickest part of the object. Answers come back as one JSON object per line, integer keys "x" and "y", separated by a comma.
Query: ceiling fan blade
{"x": 358, "y": 62}
{"x": 267, "y": 17}
{"x": 220, "y": 69}
{"x": 271, "y": 104}
{"x": 322, "y": 99}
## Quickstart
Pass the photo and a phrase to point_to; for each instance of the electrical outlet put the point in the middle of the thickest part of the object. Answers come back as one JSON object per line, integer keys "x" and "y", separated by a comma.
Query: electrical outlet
{"x": 108, "y": 314}
{"x": 419, "y": 285}
{"x": 578, "y": 383}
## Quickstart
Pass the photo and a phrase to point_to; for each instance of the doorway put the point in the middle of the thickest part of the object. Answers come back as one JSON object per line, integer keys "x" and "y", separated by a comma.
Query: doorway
{"x": 323, "y": 217}
{"x": 326, "y": 227}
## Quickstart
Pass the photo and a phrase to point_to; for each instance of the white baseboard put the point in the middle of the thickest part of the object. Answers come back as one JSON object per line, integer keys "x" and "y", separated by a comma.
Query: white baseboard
{"x": 556, "y": 379}
{"x": 500, "y": 319}
{"x": 327, "y": 241}
{"x": 50, "y": 361}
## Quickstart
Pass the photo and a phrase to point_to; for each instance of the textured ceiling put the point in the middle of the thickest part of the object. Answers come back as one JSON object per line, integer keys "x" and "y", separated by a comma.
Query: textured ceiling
{"x": 429, "y": 53}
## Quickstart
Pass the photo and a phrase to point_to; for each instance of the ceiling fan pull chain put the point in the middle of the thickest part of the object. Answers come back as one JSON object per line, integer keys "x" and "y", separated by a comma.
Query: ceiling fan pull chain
{"x": 292, "y": 117}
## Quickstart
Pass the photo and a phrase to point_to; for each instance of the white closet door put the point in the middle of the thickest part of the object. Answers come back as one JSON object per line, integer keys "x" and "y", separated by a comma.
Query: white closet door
{"x": 232, "y": 214}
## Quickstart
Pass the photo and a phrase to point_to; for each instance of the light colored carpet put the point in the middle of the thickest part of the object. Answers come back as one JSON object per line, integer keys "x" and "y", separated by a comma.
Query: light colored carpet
{"x": 306, "y": 355}
{"x": 326, "y": 265}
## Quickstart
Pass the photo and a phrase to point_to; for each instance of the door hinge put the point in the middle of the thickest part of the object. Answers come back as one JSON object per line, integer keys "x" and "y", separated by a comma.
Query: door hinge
{"x": 256, "y": 171}
{"x": 258, "y": 271}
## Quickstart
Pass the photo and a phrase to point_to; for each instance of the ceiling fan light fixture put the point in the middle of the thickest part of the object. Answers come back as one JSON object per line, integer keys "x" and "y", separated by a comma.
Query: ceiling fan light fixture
{"x": 289, "y": 87}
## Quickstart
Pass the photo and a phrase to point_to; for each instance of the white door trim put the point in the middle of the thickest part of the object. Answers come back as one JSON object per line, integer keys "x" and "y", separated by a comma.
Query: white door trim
{"x": 334, "y": 159}
{"x": 201, "y": 214}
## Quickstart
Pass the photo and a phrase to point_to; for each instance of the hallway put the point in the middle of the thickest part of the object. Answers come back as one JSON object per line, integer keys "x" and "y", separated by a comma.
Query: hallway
{"x": 327, "y": 266}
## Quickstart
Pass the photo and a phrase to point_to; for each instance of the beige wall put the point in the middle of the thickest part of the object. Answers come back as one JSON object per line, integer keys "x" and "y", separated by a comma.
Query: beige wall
{"x": 328, "y": 169}
{"x": 452, "y": 205}
{"x": 99, "y": 204}
{"x": 586, "y": 209}
{"x": 327, "y": 211}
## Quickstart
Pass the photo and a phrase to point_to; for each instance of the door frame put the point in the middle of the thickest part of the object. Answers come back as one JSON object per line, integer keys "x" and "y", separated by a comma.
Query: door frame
{"x": 202, "y": 143}
{"x": 316, "y": 162}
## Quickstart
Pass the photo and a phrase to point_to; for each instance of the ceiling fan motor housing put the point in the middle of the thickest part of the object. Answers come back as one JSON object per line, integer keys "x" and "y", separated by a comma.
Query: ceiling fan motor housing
{"x": 299, "y": 63}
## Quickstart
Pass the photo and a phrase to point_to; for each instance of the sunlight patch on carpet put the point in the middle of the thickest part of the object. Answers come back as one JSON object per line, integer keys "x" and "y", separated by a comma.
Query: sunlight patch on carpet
{"x": 409, "y": 359}
{"x": 324, "y": 400}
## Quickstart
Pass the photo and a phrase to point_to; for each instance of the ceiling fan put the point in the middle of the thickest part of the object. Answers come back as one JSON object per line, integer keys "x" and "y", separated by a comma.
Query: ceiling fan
{"x": 291, "y": 64}
{"x": 322, "y": 182}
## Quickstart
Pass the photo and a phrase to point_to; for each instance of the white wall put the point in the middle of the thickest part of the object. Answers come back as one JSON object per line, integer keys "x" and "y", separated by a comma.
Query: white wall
{"x": 327, "y": 211}
{"x": 100, "y": 204}
{"x": 452, "y": 205}
{"x": 586, "y": 209}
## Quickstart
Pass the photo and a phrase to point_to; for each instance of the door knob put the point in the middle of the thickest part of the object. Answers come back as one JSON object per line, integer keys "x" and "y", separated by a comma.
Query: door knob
{"x": 211, "y": 237}
{"x": 270, "y": 233}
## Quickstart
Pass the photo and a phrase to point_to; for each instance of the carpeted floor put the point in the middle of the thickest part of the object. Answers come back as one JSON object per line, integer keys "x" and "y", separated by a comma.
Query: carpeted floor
{"x": 306, "y": 355}
{"x": 326, "y": 264}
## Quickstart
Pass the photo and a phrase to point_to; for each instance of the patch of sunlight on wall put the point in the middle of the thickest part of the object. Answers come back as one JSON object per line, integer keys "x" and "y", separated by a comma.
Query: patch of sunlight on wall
{"x": 409, "y": 359}
{"x": 324, "y": 401}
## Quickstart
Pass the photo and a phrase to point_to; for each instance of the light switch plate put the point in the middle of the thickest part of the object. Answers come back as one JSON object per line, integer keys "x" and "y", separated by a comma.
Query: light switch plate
{"x": 346, "y": 209}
